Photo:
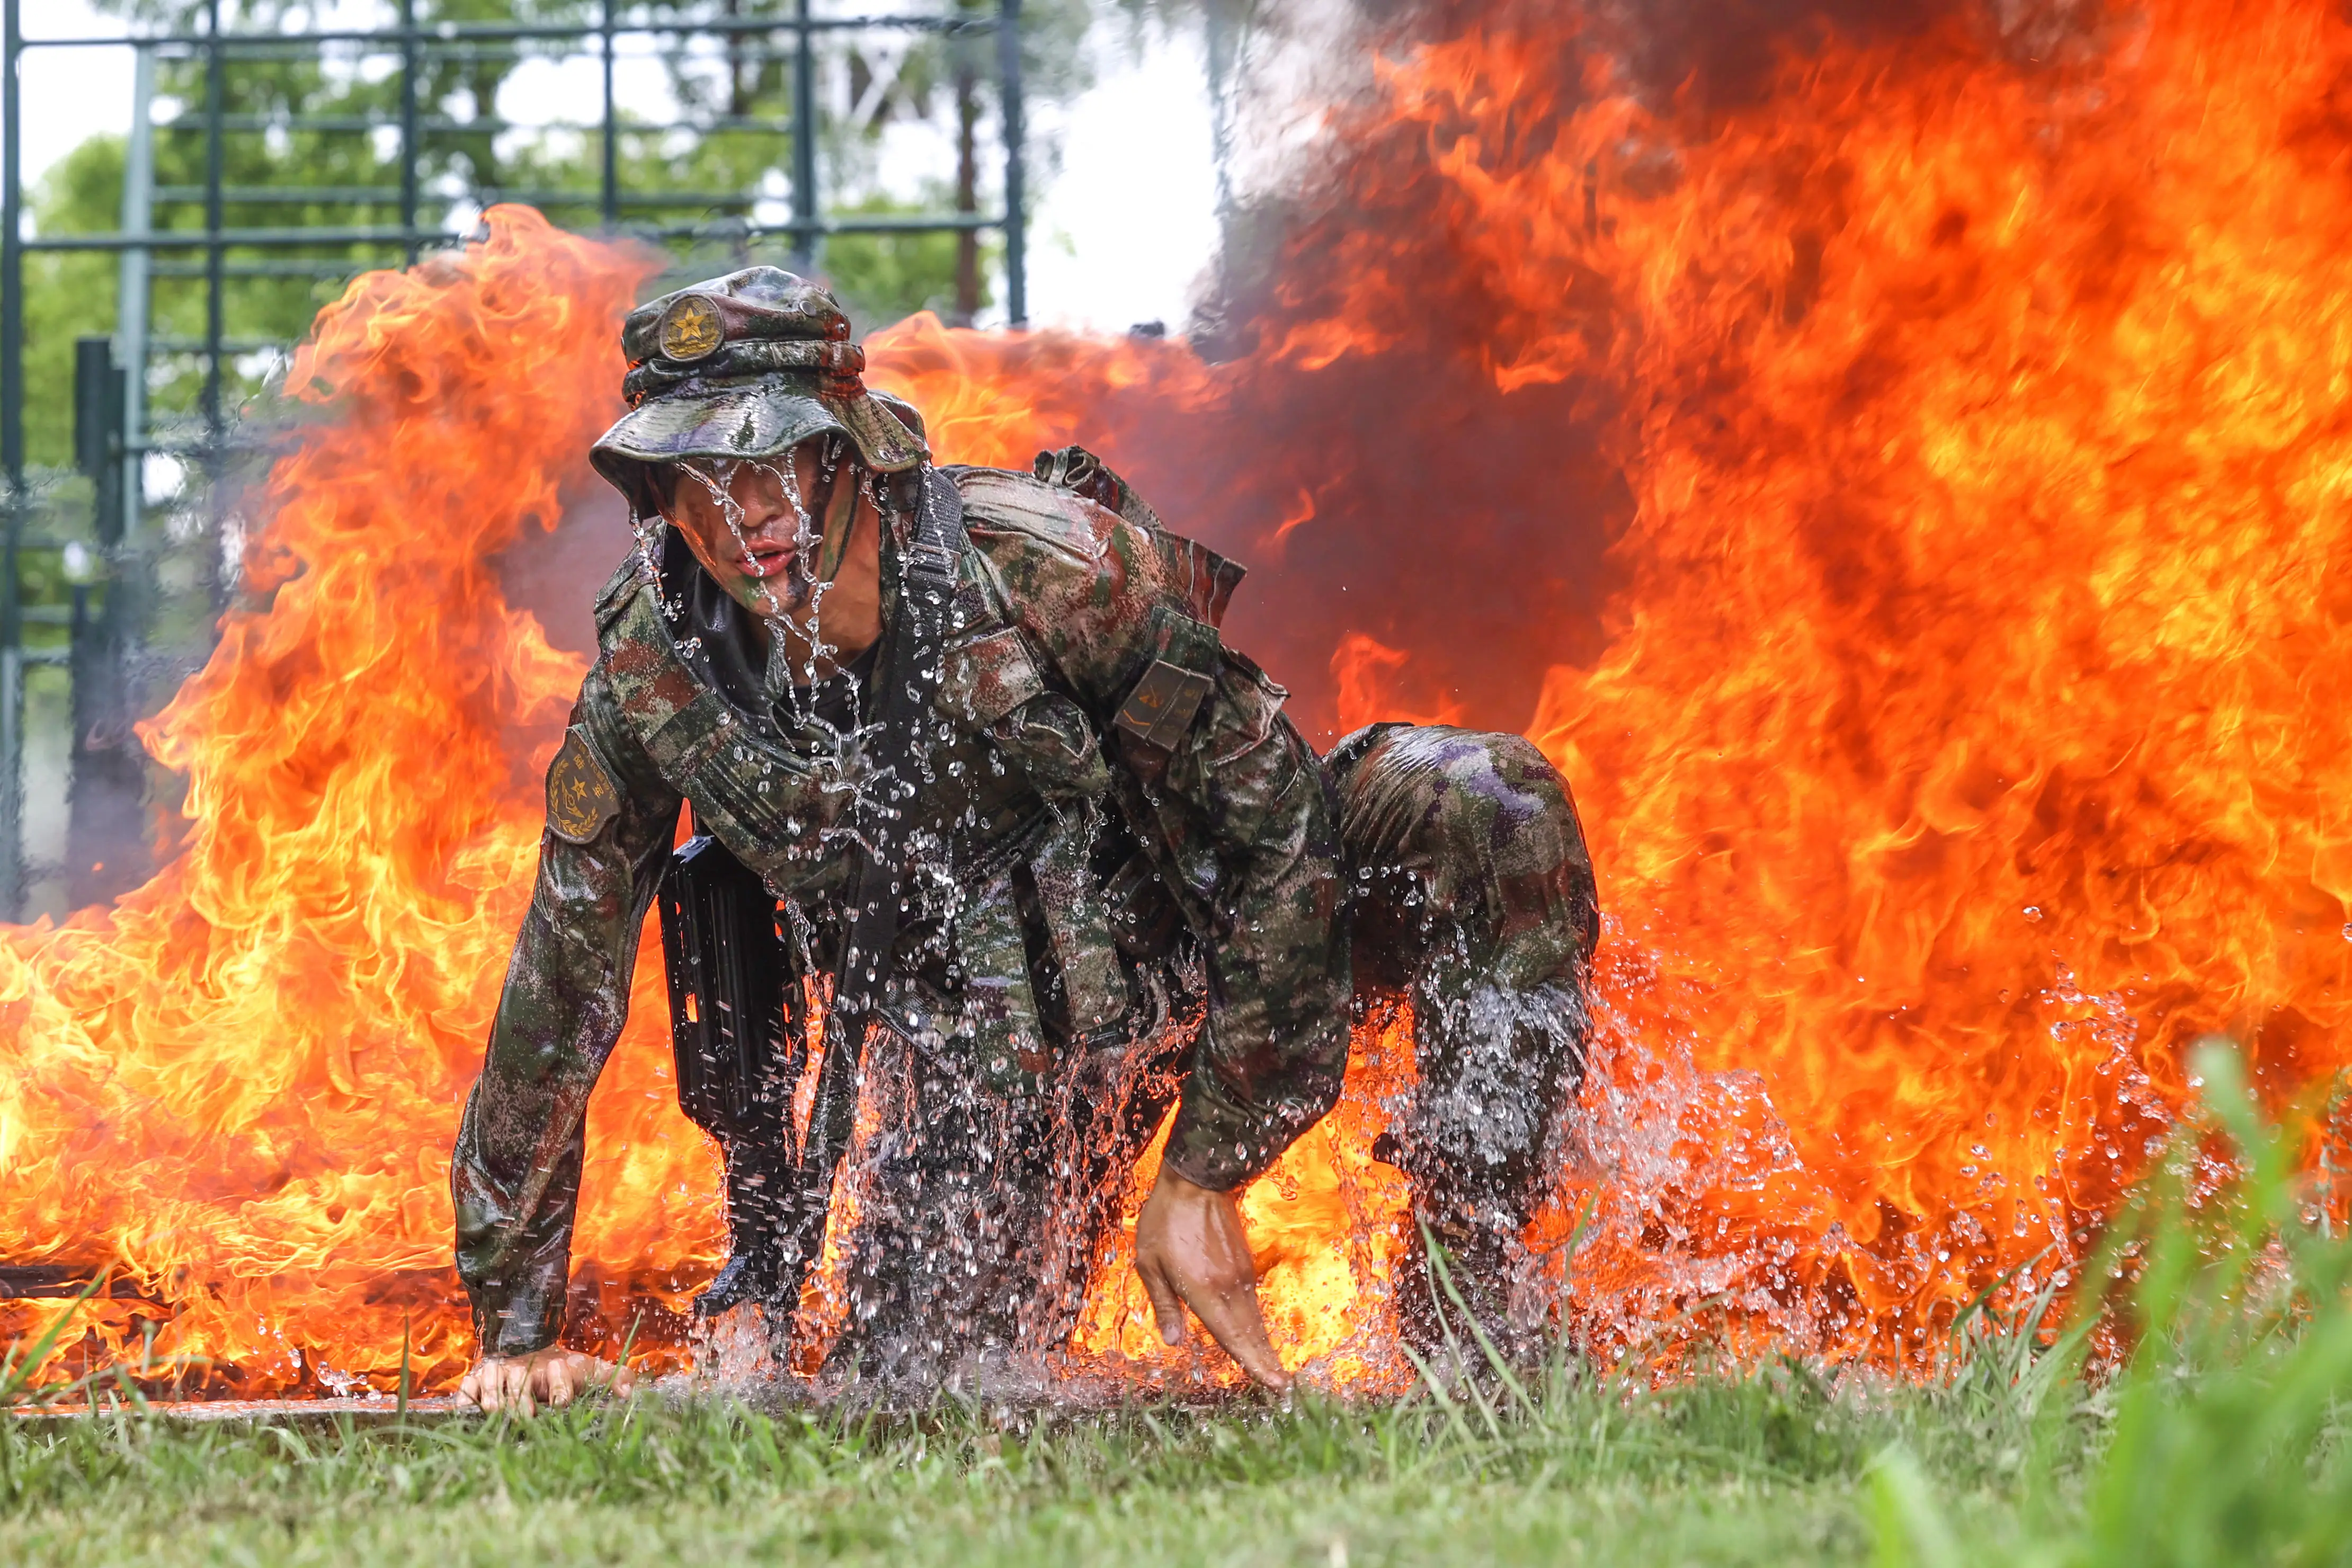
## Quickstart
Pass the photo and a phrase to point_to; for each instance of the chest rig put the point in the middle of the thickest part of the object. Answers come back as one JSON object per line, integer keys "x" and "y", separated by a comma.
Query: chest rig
{"x": 989, "y": 827}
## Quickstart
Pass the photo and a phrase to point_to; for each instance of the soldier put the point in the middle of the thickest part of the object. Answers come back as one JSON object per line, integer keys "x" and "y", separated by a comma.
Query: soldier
{"x": 969, "y": 745}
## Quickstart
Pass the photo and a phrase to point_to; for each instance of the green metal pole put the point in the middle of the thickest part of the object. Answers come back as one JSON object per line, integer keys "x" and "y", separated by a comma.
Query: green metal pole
{"x": 12, "y": 257}
{"x": 215, "y": 306}
{"x": 1017, "y": 194}
{"x": 804, "y": 219}
{"x": 131, "y": 302}
{"x": 12, "y": 465}
{"x": 215, "y": 292}
{"x": 612, "y": 190}
{"x": 408, "y": 125}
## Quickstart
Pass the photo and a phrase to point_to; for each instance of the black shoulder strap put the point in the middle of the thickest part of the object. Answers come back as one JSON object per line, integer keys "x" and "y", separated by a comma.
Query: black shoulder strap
{"x": 910, "y": 682}
{"x": 909, "y": 686}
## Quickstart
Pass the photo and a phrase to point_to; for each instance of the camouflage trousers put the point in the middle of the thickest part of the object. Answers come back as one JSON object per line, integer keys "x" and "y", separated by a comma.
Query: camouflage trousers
{"x": 981, "y": 1219}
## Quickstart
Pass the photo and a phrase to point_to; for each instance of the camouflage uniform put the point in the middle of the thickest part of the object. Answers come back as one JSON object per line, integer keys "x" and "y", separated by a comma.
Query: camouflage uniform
{"x": 1131, "y": 882}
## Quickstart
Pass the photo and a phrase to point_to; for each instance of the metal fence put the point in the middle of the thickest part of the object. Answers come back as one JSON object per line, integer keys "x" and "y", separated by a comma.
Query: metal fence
{"x": 114, "y": 437}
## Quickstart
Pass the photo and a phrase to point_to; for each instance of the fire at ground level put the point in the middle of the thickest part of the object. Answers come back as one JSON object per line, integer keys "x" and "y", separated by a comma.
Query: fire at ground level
{"x": 1954, "y": 705}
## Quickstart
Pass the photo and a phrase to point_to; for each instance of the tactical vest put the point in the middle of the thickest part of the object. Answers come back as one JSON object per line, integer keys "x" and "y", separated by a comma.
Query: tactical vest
{"x": 1039, "y": 923}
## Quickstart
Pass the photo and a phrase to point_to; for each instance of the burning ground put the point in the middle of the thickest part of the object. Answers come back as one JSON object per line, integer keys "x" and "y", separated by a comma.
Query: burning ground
{"x": 1899, "y": 471}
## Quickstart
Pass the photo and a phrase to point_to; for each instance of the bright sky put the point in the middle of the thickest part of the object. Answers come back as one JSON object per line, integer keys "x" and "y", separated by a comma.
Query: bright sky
{"x": 1118, "y": 235}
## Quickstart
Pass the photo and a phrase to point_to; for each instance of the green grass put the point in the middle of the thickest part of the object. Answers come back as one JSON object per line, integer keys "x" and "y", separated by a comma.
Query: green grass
{"x": 2217, "y": 1440}
{"x": 1763, "y": 1469}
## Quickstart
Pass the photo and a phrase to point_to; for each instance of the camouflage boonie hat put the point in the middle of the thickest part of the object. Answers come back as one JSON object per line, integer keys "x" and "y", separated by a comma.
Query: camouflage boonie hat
{"x": 747, "y": 366}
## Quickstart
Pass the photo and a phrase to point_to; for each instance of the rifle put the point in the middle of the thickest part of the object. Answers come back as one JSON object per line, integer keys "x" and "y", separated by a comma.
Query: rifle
{"x": 736, "y": 1024}
{"x": 739, "y": 1036}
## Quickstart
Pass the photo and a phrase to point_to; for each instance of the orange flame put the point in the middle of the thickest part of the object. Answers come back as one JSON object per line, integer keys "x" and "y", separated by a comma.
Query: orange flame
{"x": 239, "y": 1085}
{"x": 1908, "y": 500}
{"x": 1364, "y": 671}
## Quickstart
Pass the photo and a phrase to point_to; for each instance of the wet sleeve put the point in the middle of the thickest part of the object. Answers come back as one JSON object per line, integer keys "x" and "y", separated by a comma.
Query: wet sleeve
{"x": 515, "y": 1173}
{"x": 1258, "y": 841}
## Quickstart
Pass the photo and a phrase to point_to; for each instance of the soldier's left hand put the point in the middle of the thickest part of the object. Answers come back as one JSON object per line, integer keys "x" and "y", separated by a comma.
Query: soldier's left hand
{"x": 1191, "y": 1250}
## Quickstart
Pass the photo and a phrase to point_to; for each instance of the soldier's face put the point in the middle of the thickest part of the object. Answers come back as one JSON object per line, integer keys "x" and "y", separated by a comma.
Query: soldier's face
{"x": 751, "y": 524}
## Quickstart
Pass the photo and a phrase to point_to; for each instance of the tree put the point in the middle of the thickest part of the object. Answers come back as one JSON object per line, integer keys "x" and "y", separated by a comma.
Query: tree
{"x": 290, "y": 176}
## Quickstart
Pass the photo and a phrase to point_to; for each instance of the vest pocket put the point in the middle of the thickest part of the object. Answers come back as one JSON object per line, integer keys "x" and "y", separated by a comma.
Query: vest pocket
{"x": 984, "y": 679}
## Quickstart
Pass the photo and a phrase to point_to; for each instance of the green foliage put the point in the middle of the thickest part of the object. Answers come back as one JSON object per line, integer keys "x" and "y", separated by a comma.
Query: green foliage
{"x": 884, "y": 278}
{"x": 67, "y": 294}
{"x": 271, "y": 296}
{"x": 2221, "y": 1438}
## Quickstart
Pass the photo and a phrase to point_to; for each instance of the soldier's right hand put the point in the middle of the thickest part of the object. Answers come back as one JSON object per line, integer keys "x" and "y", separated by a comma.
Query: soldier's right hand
{"x": 554, "y": 1377}
{"x": 1191, "y": 1250}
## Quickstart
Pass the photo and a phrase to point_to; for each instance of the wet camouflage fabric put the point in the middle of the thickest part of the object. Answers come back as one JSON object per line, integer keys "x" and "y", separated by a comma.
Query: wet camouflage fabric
{"x": 1200, "y": 884}
{"x": 981, "y": 1213}
{"x": 1471, "y": 899}
{"x": 747, "y": 366}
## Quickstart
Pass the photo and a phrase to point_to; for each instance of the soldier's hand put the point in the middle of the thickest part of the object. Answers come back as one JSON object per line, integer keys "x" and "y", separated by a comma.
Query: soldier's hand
{"x": 1191, "y": 1251}
{"x": 553, "y": 1377}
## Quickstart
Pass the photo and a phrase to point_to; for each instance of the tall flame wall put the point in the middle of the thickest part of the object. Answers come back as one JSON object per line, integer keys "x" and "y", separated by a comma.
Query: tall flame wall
{"x": 1906, "y": 495}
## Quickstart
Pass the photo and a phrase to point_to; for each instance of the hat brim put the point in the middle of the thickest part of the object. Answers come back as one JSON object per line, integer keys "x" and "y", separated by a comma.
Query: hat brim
{"x": 751, "y": 420}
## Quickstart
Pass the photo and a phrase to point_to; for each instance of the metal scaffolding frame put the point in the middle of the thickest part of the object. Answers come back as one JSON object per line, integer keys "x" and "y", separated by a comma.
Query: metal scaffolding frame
{"x": 119, "y": 392}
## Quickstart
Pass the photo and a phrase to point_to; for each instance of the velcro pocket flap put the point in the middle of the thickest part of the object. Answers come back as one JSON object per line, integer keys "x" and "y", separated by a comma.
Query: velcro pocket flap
{"x": 982, "y": 680}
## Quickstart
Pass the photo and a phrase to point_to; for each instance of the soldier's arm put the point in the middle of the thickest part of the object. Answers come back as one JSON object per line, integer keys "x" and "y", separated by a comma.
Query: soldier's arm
{"x": 1270, "y": 1061}
{"x": 515, "y": 1173}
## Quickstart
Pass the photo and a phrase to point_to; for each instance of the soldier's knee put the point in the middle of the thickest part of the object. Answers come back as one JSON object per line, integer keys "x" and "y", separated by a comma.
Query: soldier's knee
{"x": 1509, "y": 796}
{"x": 1482, "y": 831}
{"x": 1508, "y": 812}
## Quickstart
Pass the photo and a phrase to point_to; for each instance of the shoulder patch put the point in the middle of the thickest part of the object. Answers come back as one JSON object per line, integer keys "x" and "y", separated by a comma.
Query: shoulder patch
{"x": 581, "y": 795}
{"x": 1161, "y": 706}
